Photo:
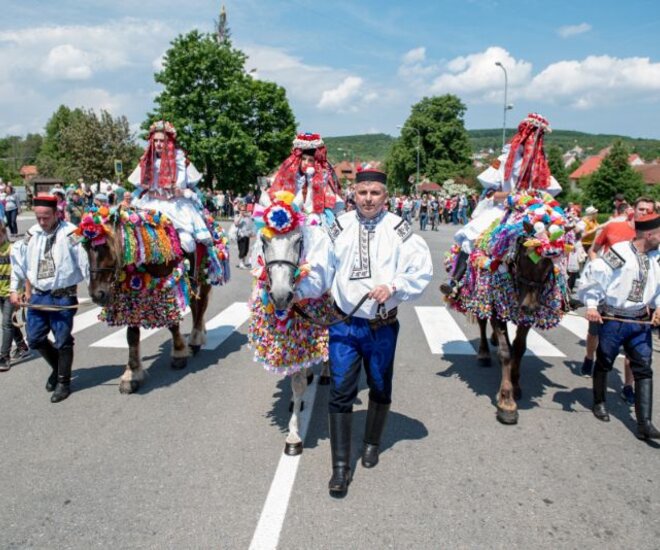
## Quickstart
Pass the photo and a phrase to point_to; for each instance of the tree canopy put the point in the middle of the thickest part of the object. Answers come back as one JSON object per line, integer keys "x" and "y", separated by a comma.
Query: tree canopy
{"x": 615, "y": 175}
{"x": 234, "y": 128}
{"x": 80, "y": 143}
{"x": 444, "y": 147}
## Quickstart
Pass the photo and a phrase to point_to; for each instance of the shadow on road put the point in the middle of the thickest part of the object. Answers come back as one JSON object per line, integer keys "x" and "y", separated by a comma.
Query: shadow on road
{"x": 160, "y": 373}
{"x": 486, "y": 380}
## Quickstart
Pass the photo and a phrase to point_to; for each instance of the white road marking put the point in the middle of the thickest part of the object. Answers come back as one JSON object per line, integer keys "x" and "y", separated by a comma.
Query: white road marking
{"x": 224, "y": 324}
{"x": 267, "y": 534}
{"x": 118, "y": 338}
{"x": 442, "y": 332}
{"x": 85, "y": 320}
{"x": 576, "y": 324}
{"x": 536, "y": 344}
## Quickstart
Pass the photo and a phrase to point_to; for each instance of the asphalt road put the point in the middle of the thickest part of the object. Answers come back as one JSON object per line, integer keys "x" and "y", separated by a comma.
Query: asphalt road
{"x": 188, "y": 462}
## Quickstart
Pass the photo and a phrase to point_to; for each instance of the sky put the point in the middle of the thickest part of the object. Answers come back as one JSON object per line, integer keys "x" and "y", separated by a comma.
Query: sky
{"x": 349, "y": 67}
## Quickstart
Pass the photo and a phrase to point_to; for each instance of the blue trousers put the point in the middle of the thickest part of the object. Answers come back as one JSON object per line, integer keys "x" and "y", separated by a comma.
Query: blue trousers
{"x": 40, "y": 323}
{"x": 636, "y": 341}
{"x": 353, "y": 344}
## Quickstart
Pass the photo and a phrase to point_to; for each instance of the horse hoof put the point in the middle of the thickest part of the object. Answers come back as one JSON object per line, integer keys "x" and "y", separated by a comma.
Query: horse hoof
{"x": 507, "y": 418}
{"x": 302, "y": 406}
{"x": 293, "y": 449}
{"x": 179, "y": 363}
{"x": 128, "y": 386}
{"x": 484, "y": 362}
{"x": 310, "y": 378}
{"x": 324, "y": 380}
{"x": 194, "y": 349}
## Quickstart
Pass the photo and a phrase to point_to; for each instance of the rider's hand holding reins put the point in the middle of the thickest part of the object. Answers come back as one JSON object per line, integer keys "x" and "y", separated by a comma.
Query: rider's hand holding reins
{"x": 593, "y": 316}
{"x": 381, "y": 293}
{"x": 17, "y": 299}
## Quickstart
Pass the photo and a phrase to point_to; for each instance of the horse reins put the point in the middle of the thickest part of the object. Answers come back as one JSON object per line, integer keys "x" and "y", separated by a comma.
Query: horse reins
{"x": 382, "y": 313}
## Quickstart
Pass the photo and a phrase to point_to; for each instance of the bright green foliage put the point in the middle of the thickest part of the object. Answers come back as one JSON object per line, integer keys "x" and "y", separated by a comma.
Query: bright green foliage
{"x": 613, "y": 176}
{"x": 80, "y": 143}
{"x": 556, "y": 165}
{"x": 16, "y": 151}
{"x": 445, "y": 150}
{"x": 234, "y": 128}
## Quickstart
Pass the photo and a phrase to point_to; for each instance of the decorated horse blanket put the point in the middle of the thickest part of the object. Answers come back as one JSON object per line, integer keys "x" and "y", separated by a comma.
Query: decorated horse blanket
{"x": 534, "y": 224}
{"x": 144, "y": 240}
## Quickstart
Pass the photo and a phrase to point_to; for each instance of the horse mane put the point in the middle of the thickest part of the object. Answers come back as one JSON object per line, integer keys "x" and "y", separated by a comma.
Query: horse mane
{"x": 144, "y": 237}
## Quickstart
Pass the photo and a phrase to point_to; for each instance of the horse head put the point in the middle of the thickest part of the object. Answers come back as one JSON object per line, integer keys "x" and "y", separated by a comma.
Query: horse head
{"x": 281, "y": 250}
{"x": 104, "y": 263}
{"x": 281, "y": 255}
{"x": 531, "y": 275}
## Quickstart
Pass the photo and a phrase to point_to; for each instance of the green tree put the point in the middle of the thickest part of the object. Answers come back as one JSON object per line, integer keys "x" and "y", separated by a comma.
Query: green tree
{"x": 80, "y": 143}
{"x": 556, "y": 165}
{"x": 233, "y": 127}
{"x": 613, "y": 176}
{"x": 445, "y": 150}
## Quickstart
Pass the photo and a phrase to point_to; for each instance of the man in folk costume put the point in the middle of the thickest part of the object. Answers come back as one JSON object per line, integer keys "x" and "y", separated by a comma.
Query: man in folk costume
{"x": 166, "y": 180}
{"x": 49, "y": 265}
{"x": 311, "y": 178}
{"x": 368, "y": 251}
{"x": 522, "y": 166}
{"x": 622, "y": 285}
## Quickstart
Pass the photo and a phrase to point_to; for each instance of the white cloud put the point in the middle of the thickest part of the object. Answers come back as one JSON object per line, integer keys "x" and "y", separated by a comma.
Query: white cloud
{"x": 572, "y": 30}
{"x": 97, "y": 99}
{"x": 341, "y": 96}
{"x": 596, "y": 81}
{"x": 477, "y": 75}
{"x": 416, "y": 55}
{"x": 67, "y": 61}
{"x": 325, "y": 87}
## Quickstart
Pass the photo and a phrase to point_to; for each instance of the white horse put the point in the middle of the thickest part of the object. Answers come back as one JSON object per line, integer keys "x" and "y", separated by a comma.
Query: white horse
{"x": 280, "y": 256}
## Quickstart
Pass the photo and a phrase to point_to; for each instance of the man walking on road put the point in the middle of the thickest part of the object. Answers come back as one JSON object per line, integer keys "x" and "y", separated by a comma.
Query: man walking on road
{"x": 371, "y": 252}
{"x": 49, "y": 265}
{"x": 621, "y": 285}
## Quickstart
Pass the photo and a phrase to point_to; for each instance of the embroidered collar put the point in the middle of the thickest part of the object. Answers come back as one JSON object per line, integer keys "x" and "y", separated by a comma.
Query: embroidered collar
{"x": 370, "y": 224}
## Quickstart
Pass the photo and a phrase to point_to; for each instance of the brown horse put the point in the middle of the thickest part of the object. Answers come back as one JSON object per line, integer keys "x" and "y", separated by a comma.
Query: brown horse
{"x": 529, "y": 279}
{"x": 106, "y": 271}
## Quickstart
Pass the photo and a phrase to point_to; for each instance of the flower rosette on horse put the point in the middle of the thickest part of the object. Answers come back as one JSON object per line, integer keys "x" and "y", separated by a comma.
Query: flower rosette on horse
{"x": 144, "y": 242}
{"x": 283, "y": 341}
{"x": 534, "y": 225}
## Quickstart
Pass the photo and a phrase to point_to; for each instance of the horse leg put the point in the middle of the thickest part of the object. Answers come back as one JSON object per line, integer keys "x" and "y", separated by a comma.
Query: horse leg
{"x": 483, "y": 355}
{"x": 519, "y": 348}
{"x": 134, "y": 373}
{"x": 324, "y": 378}
{"x": 198, "y": 306}
{"x": 179, "y": 348}
{"x": 293, "y": 445}
{"x": 507, "y": 410}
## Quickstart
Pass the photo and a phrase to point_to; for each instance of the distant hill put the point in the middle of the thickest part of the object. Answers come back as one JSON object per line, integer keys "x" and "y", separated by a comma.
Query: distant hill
{"x": 363, "y": 147}
{"x": 376, "y": 146}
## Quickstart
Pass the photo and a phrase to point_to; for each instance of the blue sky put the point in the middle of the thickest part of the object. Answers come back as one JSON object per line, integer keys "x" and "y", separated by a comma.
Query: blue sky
{"x": 349, "y": 67}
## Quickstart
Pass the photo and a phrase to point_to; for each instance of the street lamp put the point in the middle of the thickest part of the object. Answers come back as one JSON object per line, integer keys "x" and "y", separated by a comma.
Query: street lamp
{"x": 506, "y": 105}
{"x": 419, "y": 140}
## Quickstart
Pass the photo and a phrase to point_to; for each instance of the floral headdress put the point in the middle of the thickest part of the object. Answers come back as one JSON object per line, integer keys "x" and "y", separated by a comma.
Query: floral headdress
{"x": 93, "y": 227}
{"x": 282, "y": 216}
{"x": 528, "y": 141}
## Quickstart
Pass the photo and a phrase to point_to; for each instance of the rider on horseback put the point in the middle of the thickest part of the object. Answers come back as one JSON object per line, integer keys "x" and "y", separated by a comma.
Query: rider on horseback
{"x": 311, "y": 178}
{"x": 522, "y": 166}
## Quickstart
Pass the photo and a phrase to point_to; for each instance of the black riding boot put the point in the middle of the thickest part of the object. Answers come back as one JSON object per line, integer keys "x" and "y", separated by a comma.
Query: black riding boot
{"x": 456, "y": 276}
{"x": 340, "y": 447}
{"x": 644, "y": 408}
{"x": 49, "y": 353}
{"x": 373, "y": 431}
{"x": 600, "y": 389}
{"x": 63, "y": 388}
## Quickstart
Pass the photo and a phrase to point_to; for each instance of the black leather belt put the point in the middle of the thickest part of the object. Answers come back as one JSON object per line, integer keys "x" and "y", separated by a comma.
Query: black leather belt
{"x": 376, "y": 322}
{"x": 58, "y": 292}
